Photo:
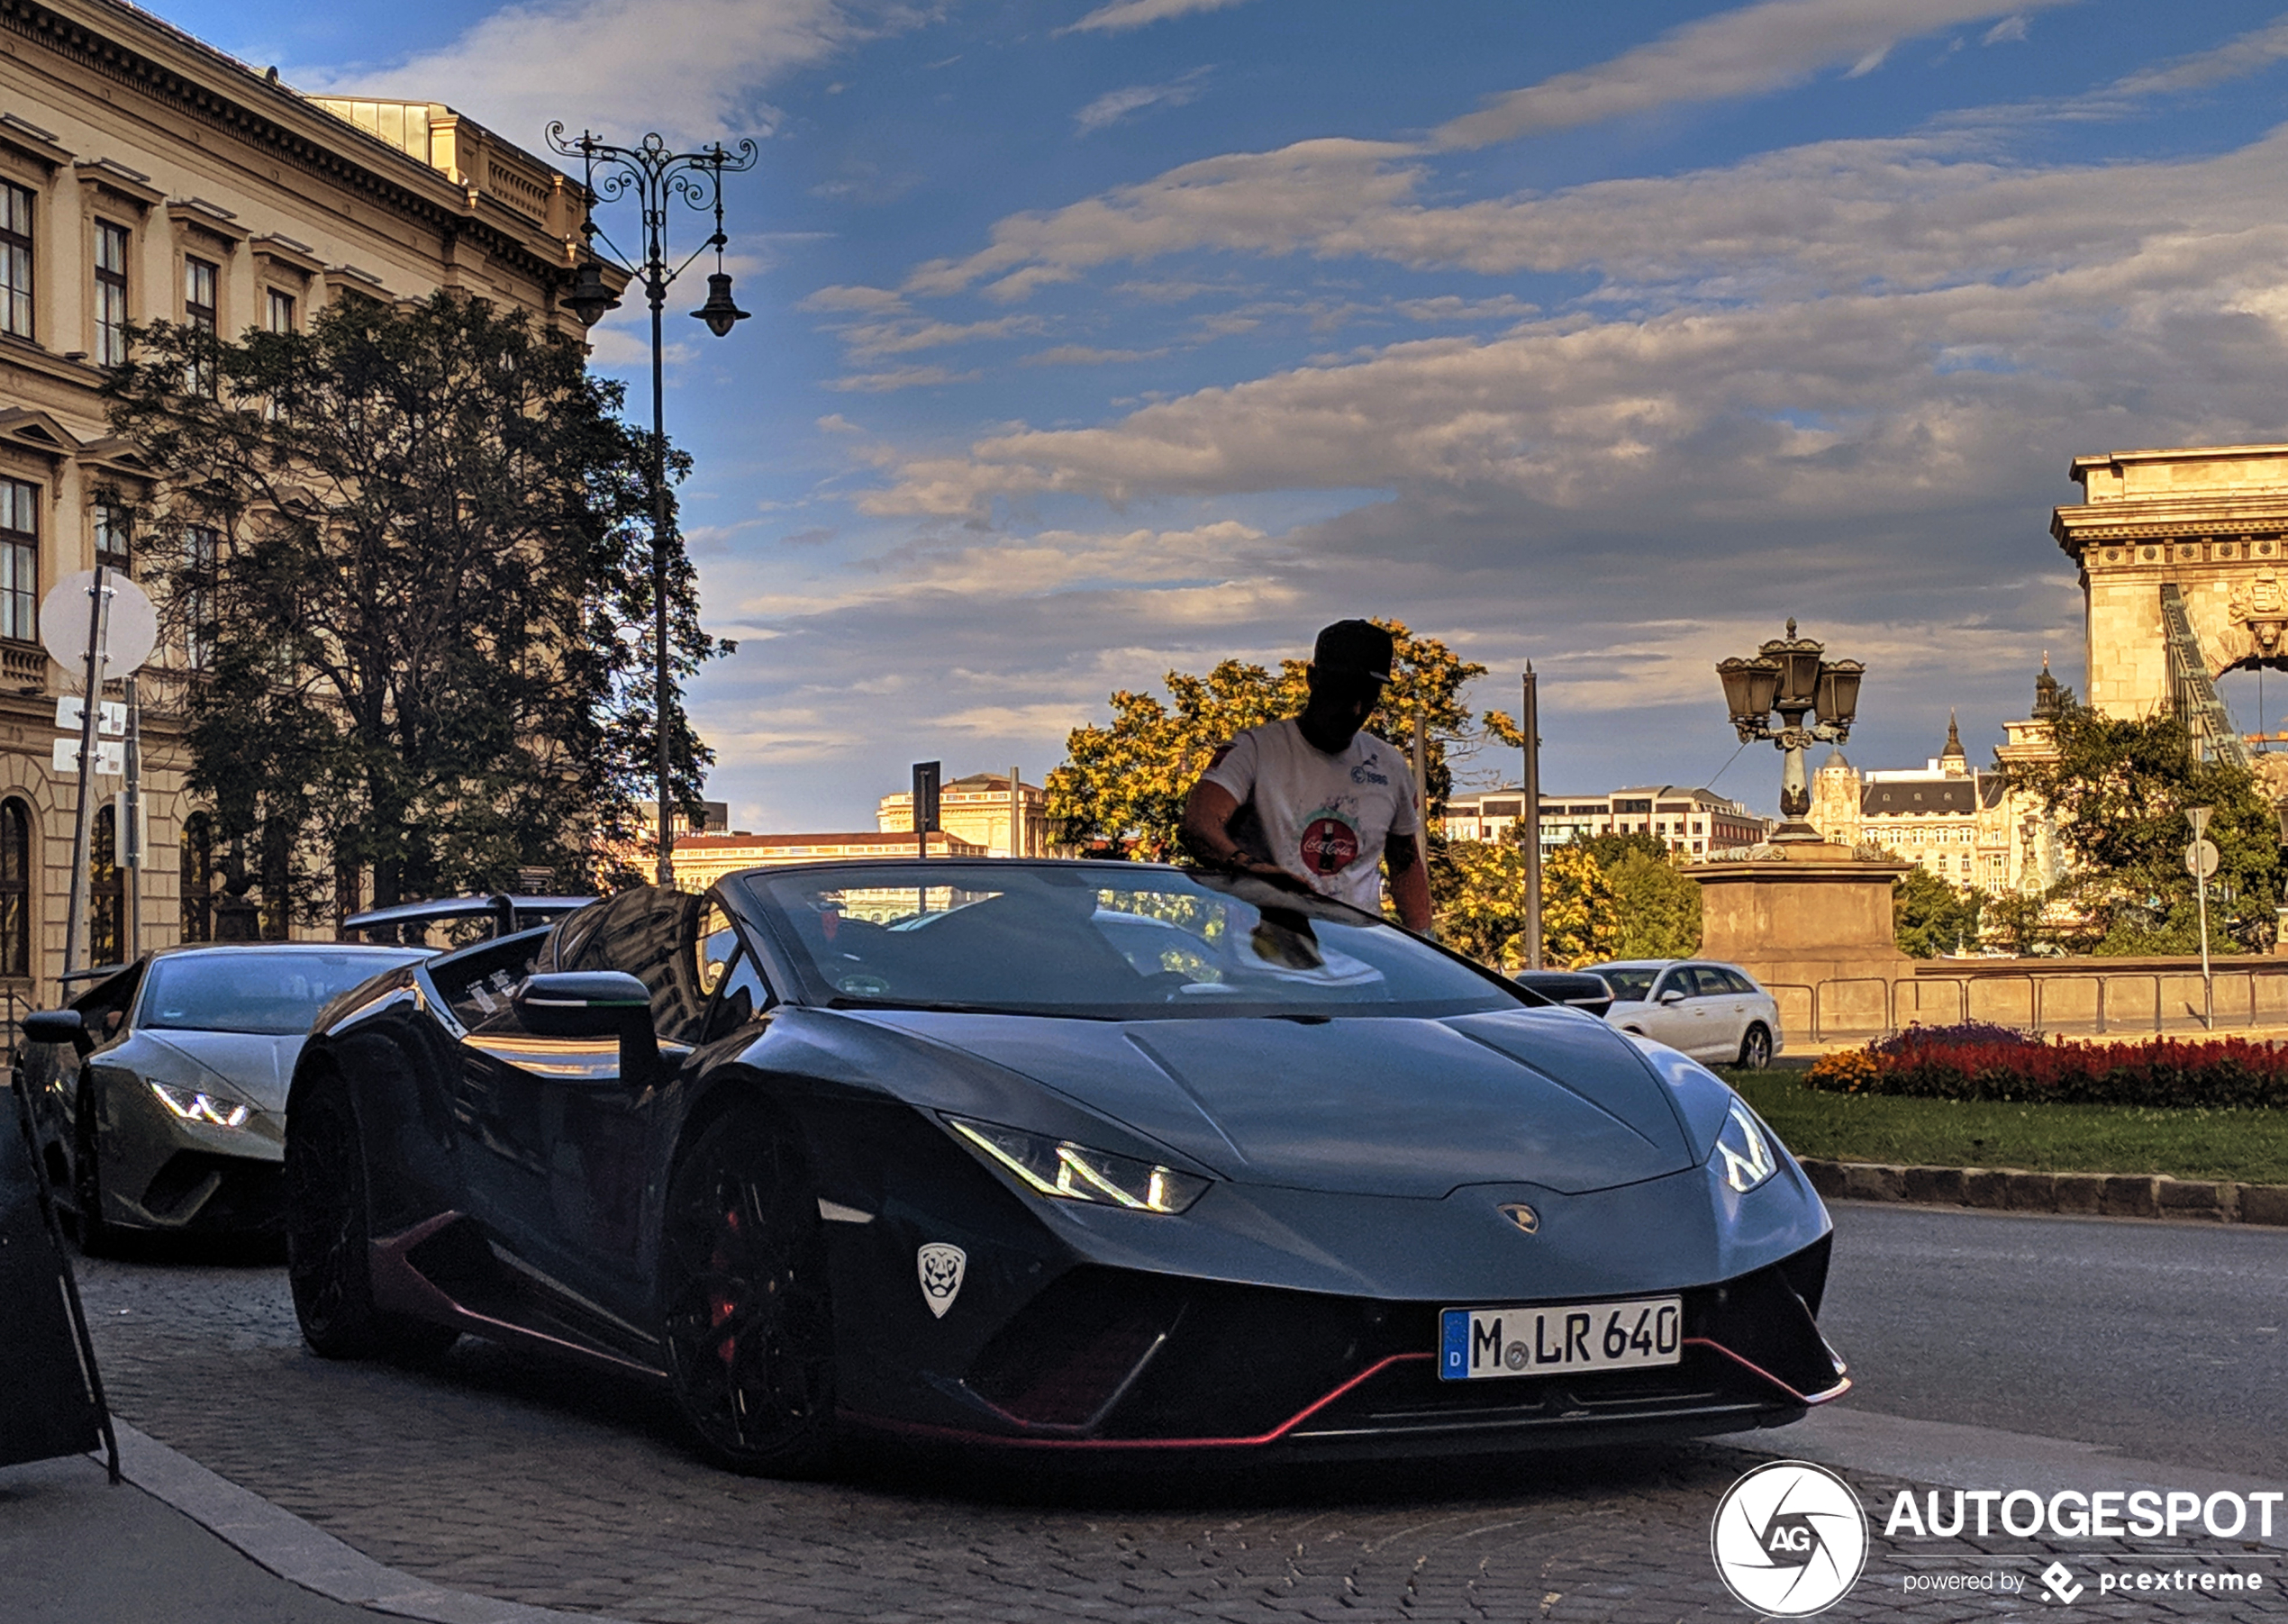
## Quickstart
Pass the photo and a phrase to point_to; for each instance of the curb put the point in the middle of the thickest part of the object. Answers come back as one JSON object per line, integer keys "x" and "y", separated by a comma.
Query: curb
{"x": 303, "y": 1555}
{"x": 2009, "y": 1190}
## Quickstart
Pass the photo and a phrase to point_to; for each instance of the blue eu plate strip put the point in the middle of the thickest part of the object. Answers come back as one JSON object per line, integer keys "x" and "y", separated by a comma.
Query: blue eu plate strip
{"x": 1454, "y": 1344}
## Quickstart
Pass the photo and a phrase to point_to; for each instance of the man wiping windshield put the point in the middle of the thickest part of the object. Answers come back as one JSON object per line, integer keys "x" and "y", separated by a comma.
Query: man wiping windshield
{"x": 1315, "y": 800}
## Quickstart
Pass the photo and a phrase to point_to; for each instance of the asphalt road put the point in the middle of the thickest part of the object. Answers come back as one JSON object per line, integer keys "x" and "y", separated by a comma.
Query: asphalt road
{"x": 2166, "y": 1341}
{"x": 493, "y": 1475}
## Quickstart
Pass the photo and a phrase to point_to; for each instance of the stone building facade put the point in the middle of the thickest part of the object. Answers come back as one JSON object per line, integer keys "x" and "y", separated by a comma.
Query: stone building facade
{"x": 1695, "y": 822}
{"x": 1965, "y": 825}
{"x": 981, "y": 810}
{"x": 703, "y": 860}
{"x": 145, "y": 176}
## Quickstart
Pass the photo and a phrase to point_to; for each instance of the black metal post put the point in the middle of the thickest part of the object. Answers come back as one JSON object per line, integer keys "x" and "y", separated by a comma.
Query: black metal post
{"x": 1530, "y": 810}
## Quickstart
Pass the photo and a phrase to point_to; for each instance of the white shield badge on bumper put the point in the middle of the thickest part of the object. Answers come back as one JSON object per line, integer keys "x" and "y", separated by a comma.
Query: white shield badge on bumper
{"x": 941, "y": 1266}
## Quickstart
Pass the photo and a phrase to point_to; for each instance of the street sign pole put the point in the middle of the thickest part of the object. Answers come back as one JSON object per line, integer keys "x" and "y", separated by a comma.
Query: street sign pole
{"x": 2201, "y": 856}
{"x": 83, "y": 825}
{"x": 1530, "y": 810}
{"x": 130, "y": 831}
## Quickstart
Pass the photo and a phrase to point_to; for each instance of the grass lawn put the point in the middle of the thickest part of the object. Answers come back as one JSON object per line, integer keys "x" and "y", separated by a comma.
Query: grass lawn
{"x": 2246, "y": 1145}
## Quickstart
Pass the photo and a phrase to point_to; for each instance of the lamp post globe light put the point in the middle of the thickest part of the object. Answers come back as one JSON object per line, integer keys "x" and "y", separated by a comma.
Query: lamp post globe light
{"x": 1789, "y": 675}
{"x": 655, "y": 177}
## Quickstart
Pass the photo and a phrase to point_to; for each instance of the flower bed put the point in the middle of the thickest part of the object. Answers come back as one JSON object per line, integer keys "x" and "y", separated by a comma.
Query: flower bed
{"x": 1977, "y": 1061}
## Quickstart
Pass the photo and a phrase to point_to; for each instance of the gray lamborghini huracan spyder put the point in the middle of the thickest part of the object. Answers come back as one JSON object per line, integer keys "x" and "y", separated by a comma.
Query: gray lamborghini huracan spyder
{"x": 1049, "y": 1156}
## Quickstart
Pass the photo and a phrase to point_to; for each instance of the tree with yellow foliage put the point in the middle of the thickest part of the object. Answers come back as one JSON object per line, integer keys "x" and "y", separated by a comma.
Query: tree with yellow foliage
{"x": 1482, "y": 904}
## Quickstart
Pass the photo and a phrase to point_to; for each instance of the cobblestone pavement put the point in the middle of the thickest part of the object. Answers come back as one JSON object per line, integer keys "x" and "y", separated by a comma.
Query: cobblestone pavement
{"x": 498, "y": 1473}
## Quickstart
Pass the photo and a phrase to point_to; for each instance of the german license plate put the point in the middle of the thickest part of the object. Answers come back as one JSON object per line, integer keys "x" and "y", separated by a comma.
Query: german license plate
{"x": 1475, "y": 1343}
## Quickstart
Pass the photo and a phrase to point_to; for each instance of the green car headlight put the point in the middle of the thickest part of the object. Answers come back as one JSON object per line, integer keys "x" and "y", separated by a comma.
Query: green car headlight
{"x": 1069, "y": 1172}
{"x": 1744, "y": 1145}
{"x": 218, "y": 1111}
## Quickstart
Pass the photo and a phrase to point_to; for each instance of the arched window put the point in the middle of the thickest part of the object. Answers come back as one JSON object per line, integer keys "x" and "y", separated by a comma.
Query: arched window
{"x": 15, "y": 888}
{"x": 198, "y": 878}
{"x": 105, "y": 893}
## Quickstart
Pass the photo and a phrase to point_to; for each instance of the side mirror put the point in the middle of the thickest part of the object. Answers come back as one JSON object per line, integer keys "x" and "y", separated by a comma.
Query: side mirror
{"x": 581, "y": 1004}
{"x": 593, "y": 1003}
{"x": 59, "y": 1026}
{"x": 1673, "y": 995}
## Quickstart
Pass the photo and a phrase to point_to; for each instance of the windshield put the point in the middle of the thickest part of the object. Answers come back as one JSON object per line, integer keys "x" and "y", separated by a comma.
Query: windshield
{"x": 1630, "y": 985}
{"x": 276, "y": 995}
{"x": 1103, "y": 939}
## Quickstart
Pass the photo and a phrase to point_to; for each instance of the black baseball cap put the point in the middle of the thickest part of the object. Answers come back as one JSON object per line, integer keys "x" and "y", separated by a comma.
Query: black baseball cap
{"x": 1354, "y": 649}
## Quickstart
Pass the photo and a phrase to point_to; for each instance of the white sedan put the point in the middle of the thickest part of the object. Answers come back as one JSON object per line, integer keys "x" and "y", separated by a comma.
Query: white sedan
{"x": 1713, "y": 1012}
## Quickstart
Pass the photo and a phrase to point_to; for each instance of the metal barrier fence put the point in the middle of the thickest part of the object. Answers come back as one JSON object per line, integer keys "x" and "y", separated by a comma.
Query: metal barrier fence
{"x": 2075, "y": 998}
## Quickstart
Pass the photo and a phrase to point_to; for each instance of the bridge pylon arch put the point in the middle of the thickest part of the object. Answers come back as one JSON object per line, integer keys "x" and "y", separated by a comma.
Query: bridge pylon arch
{"x": 2183, "y": 560}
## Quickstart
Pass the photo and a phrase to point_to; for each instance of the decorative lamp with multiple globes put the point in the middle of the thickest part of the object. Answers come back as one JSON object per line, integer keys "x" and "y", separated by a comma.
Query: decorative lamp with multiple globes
{"x": 1790, "y": 676}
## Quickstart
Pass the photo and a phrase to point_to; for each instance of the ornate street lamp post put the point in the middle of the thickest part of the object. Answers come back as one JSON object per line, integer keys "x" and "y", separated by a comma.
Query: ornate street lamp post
{"x": 1789, "y": 676}
{"x": 654, "y": 176}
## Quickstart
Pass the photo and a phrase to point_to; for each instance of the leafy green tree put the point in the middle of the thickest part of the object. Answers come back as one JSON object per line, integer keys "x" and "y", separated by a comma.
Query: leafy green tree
{"x": 1122, "y": 786}
{"x": 1929, "y": 917}
{"x": 1656, "y": 905}
{"x": 2017, "y": 921}
{"x": 2119, "y": 790}
{"x": 408, "y": 550}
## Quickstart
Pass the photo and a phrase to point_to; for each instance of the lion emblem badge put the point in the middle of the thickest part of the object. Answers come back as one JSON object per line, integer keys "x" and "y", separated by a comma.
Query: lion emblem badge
{"x": 942, "y": 1268}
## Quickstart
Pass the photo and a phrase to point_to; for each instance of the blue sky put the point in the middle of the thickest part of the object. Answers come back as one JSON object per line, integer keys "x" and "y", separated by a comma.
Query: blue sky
{"x": 1092, "y": 339}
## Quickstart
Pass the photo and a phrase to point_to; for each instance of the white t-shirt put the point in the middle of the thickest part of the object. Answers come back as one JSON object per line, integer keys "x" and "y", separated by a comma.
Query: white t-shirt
{"x": 1321, "y": 817}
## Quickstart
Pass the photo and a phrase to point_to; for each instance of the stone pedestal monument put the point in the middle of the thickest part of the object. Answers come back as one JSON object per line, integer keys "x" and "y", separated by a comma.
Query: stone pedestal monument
{"x": 1809, "y": 916}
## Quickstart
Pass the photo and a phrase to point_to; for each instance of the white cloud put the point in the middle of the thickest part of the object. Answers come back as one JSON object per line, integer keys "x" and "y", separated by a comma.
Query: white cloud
{"x": 1265, "y": 202}
{"x": 622, "y": 343}
{"x": 869, "y": 340}
{"x": 1749, "y": 51}
{"x": 1124, "y": 15}
{"x": 2238, "y": 58}
{"x": 872, "y": 300}
{"x": 901, "y": 377}
{"x": 1114, "y": 105}
{"x": 690, "y": 68}
{"x": 1083, "y": 354}
{"x": 1808, "y": 331}
{"x": 2010, "y": 30}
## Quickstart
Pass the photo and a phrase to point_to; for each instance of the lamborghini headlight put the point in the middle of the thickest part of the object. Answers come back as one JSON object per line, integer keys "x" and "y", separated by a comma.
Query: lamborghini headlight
{"x": 1070, "y": 1172}
{"x": 1743, "y": 1147}
{"x": 218, "y": 1111}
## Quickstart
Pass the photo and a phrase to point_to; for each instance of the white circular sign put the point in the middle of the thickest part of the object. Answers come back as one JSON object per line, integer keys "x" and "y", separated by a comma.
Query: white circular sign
{"x": 2201, "y": 859}
{"x": 129, "y": 635}
{"x": 1789, "y": 1539}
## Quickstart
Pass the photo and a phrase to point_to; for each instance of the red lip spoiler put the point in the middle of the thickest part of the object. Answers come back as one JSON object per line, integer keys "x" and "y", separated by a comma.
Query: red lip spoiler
{"x": 1754, "y": 1369}
{"x": 925, "y": 1428}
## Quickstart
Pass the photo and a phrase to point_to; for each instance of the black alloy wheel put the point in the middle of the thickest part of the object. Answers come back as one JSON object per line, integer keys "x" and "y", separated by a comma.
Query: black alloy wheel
{"x": 327, "y": 1264}
{"x": 96, "y": 1238}
{"x": 745, "y": 1314}
{"x": 1756, "y": 1050}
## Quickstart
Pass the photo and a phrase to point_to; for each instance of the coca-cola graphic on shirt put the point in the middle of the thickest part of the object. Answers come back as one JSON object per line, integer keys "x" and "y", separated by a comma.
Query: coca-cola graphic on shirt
{"x": 1330, "y": 842}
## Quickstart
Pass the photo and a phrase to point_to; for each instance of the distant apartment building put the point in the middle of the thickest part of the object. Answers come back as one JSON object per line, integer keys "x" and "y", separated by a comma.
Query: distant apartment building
{"x": 1695, "y": 822}
{"x": 703, "y": 860}
{"x": 982, "y": 809}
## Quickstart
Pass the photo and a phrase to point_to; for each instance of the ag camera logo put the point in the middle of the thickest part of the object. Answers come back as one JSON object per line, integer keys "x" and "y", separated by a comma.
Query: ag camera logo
{"x": 1789, "y": 1539}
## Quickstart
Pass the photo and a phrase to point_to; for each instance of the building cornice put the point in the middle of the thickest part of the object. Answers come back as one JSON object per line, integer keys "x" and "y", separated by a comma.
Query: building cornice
{"x": 2167, "y": 519}
{"x": 128, "y": 46}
